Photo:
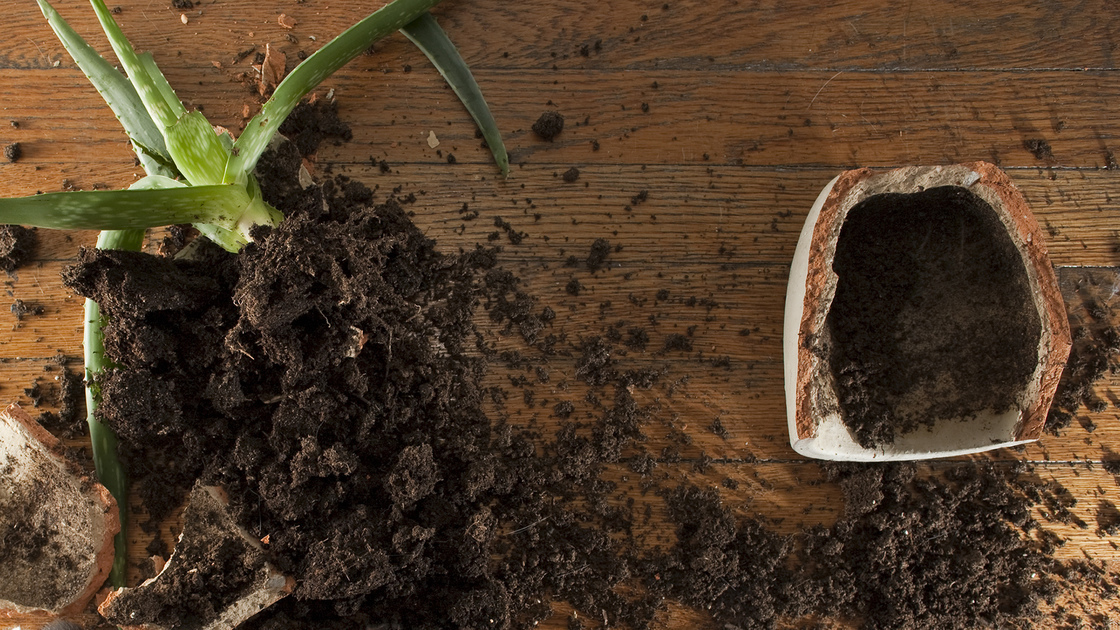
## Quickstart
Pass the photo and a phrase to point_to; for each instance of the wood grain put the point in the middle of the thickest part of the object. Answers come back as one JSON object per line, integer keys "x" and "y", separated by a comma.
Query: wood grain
{"x": 757, "y": 105}
{"x": 642, "y": 34}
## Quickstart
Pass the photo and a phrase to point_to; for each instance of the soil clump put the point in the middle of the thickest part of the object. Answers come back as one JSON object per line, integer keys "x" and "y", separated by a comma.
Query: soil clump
{"x": 17, "y": 246}
{"x": 549, "y": 125}
{"x": 933, "y": 317}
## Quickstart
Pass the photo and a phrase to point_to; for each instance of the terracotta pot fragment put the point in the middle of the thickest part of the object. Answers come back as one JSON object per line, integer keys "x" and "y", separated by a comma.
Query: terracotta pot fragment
{"x": 824, "y": 390}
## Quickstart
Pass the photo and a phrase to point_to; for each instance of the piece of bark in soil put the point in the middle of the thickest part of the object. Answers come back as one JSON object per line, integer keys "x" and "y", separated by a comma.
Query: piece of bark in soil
{"x": 218, "y": 576}
{"x": 56, "y": 526}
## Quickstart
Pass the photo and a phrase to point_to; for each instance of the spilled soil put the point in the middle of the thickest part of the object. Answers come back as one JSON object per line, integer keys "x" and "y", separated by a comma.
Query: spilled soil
{"x": 332, "y": 379}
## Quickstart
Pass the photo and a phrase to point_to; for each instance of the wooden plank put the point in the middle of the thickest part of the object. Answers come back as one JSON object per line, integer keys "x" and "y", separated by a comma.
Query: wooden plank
{"x": 726, "y": 216}
{"x": 754, "y": 119}
{"x": 633, "y": 34}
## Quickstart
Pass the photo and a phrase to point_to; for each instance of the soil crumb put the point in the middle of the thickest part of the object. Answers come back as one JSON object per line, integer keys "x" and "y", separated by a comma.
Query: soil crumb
{"x": 597, "y": 257}
{"x": 13, "y": 152}
{"x": 932, "y": 318}
{"x": 21, "y": 309}
{"x": 17, "y": 246}
{"x": 549, "y": 125}
{"x": 1039, "y": 148}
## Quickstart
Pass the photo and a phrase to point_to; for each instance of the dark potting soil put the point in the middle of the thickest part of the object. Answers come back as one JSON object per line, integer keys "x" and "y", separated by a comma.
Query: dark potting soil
{"x": 1095, "y": 349}
{"x": 13, "y": 152}
{"x": 17, "y": 245}
{"x": 549, "y": 125}
{"x": 330, "y": 378}
{"x": 932, "y": 318}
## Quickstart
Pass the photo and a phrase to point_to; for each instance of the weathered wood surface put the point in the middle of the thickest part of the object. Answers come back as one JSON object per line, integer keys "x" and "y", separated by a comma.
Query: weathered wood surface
{"x": 752, "y": 108}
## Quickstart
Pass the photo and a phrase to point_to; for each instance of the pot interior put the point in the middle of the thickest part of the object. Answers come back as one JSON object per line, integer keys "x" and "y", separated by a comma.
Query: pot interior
{"x": 933, "y": 317}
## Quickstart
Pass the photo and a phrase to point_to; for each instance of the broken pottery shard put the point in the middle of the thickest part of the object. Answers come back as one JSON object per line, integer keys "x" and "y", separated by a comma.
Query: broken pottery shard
{"x": 217, "y": 577}
{"x": 923, "y": 317}
{"x": 56, "y": 526}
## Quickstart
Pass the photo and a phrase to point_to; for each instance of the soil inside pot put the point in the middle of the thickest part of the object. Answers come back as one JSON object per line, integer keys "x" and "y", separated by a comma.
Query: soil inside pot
{"x": 933, "y": 317}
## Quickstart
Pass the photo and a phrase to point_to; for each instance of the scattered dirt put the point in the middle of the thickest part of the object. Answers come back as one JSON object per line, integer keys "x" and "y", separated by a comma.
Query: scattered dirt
{"x": 17, "y": 246}
{"x": 913, "y": 549}
{"x": 21, "y": 309}
{"x": 932, "y": 317}
{"x": 1096, "y": 346}
{"x": 1039, "y": 148}
{"x": 67, "y": 392}
{"x": 331, "y": 379}
{"x": 13, "y": 152}
{"x": 1108, "y": 519}
{"x": 571, "y": 175}
{"x": 597, "y": 257}
{"x": 549, "y": 125}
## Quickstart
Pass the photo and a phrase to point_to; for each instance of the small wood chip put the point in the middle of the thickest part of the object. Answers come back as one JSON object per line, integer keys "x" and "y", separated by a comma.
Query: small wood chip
{"x": 287, "y": 21}
{"x": 183, "y": 18}
{"x": 433, "y": 141}
{"x": 272, "y": 70}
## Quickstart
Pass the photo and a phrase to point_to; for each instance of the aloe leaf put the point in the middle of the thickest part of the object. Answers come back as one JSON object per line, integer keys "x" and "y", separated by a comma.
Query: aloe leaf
{"x": 104, "y": 441}
{"x": 148, "y": 62}
{"x": 156, "y": 182}
{"x": 149, "y": 87}
{"x": 433, "y": 41}
{"x": 117, "y": 92}
{"x": 196, "y": 149}
{"x": 309, "y": 74}
{"x": 127, "y": 209}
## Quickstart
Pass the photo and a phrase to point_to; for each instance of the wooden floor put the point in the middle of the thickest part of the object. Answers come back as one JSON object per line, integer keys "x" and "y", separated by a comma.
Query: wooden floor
{"x": 731, "y": 116}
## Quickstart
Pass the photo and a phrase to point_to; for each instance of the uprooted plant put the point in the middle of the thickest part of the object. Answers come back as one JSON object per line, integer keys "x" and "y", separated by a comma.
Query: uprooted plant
{"x": 199, "y": 174}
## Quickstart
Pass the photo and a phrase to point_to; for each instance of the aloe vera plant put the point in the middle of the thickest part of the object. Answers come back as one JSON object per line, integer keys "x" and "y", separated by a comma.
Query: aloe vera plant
{"x": 198, "y": 176}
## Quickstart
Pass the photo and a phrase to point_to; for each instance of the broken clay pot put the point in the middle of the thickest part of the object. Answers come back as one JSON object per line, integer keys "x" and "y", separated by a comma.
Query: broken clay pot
{"x": 56, "y": 525}
{"x": 218, "y": 577}
{"x": 923, "y": 317}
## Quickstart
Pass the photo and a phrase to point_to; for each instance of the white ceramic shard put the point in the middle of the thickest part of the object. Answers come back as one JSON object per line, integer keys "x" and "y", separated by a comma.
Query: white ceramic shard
{"x": 209, "y": 535}
{"x": 816, "y": 426}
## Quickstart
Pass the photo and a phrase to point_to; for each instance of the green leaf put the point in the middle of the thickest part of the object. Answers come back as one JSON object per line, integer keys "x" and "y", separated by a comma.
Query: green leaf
{"x": 432, "y": 40}
{"x": 151, "y": 88}
{"x": 155, "y": 182}
{"x": 128, "y": 209}
{"x": 102, "y": 439}
{"x": 196, "y": 149}
{"x": 309, "y": 74}
{"x": 152, "y": 70}
{"x": 119, "y": 94}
